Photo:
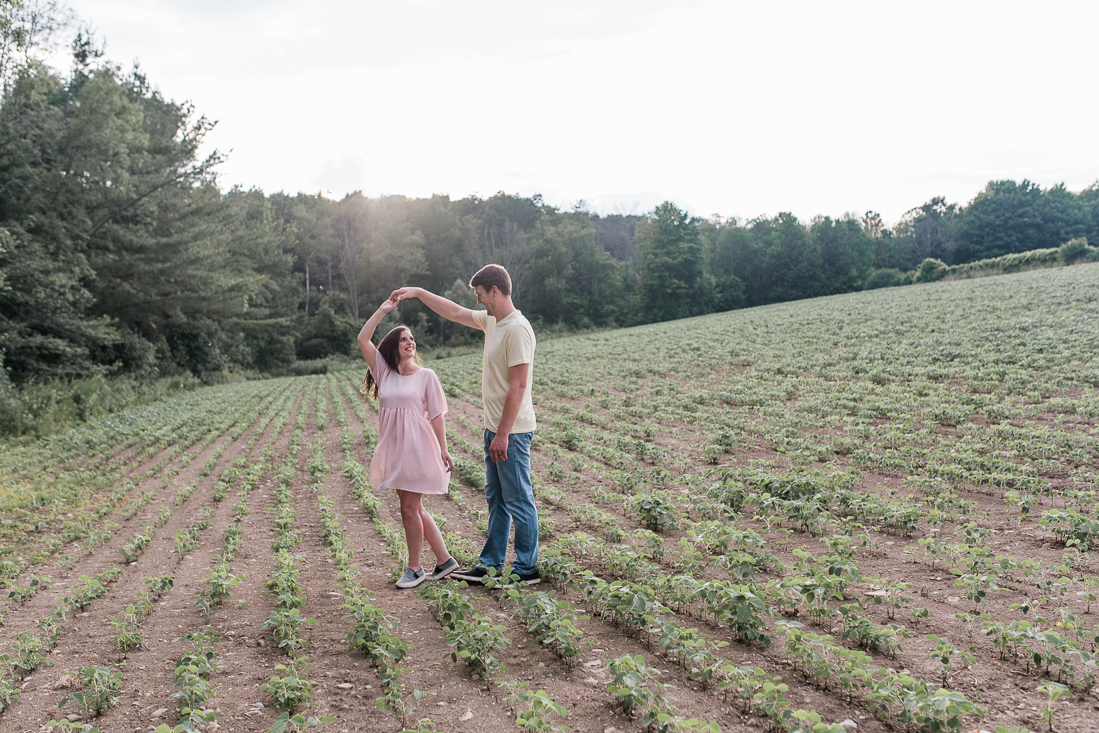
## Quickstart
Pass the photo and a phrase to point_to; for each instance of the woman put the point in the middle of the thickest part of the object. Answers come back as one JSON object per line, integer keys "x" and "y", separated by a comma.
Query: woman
{"x": 411, "y": 455}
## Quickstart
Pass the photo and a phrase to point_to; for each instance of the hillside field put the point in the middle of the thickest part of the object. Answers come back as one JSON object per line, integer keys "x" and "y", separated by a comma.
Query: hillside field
{"x": 878, "y": 508}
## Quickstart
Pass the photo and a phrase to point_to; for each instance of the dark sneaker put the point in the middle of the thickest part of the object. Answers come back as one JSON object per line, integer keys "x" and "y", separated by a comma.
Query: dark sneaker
{"x": 473, "y": 575}
{"x": 441, "y": 571}
{"x": 523, "y": 579}
{"x": 412, "y": 578}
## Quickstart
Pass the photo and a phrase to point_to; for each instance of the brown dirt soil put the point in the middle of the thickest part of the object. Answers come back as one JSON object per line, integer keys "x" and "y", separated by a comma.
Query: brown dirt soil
{"x": 456, "y": 701}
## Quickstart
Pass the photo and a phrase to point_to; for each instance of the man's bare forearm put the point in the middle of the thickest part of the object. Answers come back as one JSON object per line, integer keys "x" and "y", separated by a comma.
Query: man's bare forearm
{"x": 448, "y": 309}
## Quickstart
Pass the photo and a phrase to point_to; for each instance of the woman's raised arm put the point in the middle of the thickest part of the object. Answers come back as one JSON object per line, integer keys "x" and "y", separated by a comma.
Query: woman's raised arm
{"x": 370, "y": 352}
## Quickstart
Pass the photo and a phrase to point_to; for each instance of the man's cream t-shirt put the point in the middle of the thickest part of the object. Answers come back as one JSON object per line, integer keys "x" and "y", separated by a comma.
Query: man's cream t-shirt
{"x": 508, "y": 342}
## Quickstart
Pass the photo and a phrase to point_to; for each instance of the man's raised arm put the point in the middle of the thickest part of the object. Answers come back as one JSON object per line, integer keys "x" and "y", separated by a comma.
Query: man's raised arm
{"x": 448, "y": 309}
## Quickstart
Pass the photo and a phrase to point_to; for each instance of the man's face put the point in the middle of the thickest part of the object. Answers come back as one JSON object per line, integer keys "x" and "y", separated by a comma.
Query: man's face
{"x": 487, "y": 298}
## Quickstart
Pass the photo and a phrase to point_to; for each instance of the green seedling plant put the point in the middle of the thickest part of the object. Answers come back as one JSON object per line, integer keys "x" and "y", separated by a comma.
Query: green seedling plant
{"x": 127, "y": 630}
{"x": 552, "y": 622}
{"x": 194, "y": 689}
{"x": 28, "y": 652}
{"x": 944, "y": 653}
{"x": 808, "y": 721}
{"x": 632, "y": 687}
{"x": 67, "y": 726}
{"x": 1091, "y": 592}
{"x": 9, "y": 693}
{"x": 920, "y": 614}
{"x": 770, "y": 701}
{"x": 100, "y": 691}
{"x": 1053, "y": 691}
{"x": 475, "y": 642}
{"x": 892, "y": 596}
{"x": 655, "y": 512}
{"x": 291, "y": 690}
{"x": 939, "y": 711}
{"x": 287, "y": 723}
{"x": 219, "y": 582}
{"x": 17, "y": 594}
{"x": 422, "y": 726}
{"x": 533, "y": 709}
{"x": 285, "y": 626}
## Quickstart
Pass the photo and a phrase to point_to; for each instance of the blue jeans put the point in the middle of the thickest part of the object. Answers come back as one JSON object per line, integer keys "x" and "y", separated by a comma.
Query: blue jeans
{"x": 510, "y": 496}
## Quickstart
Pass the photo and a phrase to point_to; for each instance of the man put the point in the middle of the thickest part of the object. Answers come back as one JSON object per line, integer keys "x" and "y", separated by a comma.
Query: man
{"x": 509, "y": 419}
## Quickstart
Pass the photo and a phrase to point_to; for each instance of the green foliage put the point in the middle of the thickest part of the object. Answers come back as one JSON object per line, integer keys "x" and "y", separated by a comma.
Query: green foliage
{"x": 552, "y": 622}
{"x": 1076, "y": 250}
{"x": 634, "y": 689}
{"x": 888, "y": 277}
{"x": 473, "y": 636}
{"x": 930, "y": 270}
{"x": 1009, "y": 217}
{"x": 532, "y": 709}
{"x": 655, "y": 512}
{"x": 100, "y": 690}
{"x": 285, "y": 626}
{"x": 1053, "y": 692}
{"x": 297, "y": 723}
{"x": 291, "y": 690}
{"x": 475, "y": 642}
{"x": 70, "y": 727}
{"x": 17, "y": 594}
{"x": 672, "y": 275}
{"x": 218, "y": 583}
{"x": 142, "y": 268}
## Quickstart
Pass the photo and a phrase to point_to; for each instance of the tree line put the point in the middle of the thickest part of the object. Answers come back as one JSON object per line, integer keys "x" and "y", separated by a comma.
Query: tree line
{"x": 120, "y": 254}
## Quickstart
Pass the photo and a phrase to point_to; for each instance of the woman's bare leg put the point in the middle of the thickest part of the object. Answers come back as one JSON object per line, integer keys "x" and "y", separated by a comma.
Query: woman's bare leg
{"x": 411, "y": 517}
{"x": 434, "y": 536}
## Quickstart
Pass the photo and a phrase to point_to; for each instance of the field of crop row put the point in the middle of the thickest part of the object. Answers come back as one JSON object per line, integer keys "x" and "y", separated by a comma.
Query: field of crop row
{"x": 877, "y": 509}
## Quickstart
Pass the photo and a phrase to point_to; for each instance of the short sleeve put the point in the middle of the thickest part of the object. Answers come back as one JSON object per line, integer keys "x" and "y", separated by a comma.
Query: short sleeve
{"x": 481, "y": 319}
{"x": 434, "y": 397}
{"x": 520, "y": 347}
{"x": 381, "y": 368}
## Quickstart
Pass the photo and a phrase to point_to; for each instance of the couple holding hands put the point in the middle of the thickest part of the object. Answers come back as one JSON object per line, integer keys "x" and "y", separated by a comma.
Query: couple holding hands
{"x": 412, "y": 457}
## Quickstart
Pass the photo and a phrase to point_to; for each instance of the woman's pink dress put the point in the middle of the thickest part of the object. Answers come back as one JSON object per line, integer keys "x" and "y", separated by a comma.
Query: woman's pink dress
{"x": 408, "y": 456}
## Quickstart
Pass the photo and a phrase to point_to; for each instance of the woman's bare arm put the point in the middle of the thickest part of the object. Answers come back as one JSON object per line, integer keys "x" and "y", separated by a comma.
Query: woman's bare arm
{"x": 366, "y": 346}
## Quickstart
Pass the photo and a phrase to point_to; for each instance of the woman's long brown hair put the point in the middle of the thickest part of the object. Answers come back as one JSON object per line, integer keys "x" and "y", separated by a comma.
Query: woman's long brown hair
{"x": 388, "y": 349}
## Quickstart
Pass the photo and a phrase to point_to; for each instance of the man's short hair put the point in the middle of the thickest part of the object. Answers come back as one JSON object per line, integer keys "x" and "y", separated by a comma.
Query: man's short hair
{"x": 492, "y": 276}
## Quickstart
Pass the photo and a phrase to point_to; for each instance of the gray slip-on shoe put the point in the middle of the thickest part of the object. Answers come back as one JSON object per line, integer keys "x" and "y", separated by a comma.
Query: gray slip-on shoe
{"x": 412, "y": 578}
{"x": 441, "y": 571}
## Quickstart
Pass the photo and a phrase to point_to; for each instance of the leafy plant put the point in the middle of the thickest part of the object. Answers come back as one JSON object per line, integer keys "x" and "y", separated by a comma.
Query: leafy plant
{"x": 285, "y": 625}
{"x": 100, "y": 690}
{"x": 532, "y": 709}
{"x": 632, "y": 687}
{"x": 291, "y": 690}
{"x": 219, "y": 582}
{"x": 944, "y": 653}
{"x": 655, "y": 512}
{"x": 296, "y": 723}
{"x": 1053, "y": 692}
{"x": 17, "y": 594}
{"x": 552, "y": 622}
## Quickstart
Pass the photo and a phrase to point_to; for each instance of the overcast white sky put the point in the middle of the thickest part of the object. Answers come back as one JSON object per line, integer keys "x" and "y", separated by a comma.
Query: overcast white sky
{"x": 732, "y": 108}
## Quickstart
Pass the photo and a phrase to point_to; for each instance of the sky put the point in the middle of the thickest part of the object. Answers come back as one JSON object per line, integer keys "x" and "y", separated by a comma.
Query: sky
{"x": 739, "y": 109}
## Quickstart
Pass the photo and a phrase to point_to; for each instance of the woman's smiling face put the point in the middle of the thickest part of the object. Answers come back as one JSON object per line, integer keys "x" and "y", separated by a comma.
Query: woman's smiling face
{"x": 406, "y": 347}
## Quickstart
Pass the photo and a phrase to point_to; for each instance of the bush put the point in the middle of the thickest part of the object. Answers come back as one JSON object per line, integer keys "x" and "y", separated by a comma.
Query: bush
{"x": 43, "y": 408}
{"x": 931, "y": 270}
{"x": 1077, "y": 250}
{"x": 889, "y": 277}
{"x": 1016, "y": 262}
